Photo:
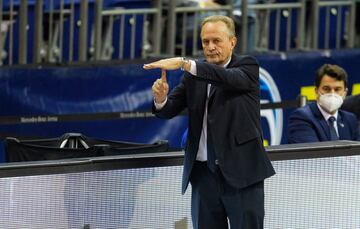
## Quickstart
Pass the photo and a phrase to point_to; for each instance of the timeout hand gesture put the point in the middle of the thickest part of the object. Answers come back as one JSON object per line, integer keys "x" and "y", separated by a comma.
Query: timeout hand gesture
{"x": 160, "y": 88}
{"x": 167, "y": 64}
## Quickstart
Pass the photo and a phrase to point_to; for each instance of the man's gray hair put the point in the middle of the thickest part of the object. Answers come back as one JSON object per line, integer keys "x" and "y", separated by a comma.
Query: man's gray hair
{"x": 227, "y": 20}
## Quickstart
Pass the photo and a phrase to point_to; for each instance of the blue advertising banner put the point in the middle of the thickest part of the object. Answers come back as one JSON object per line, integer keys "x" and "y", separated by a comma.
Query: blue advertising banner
{"x": 37, "y": 97}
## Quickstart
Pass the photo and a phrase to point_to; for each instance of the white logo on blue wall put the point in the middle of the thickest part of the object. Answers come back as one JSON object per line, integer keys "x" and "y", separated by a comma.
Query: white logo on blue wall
{"x": 274, "y": 117}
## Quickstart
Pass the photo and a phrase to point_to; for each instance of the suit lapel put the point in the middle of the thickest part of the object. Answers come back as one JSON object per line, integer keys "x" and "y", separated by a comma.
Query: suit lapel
{"x": 211, "y": 96}
{"x": 324, "y": 125}
{"x": 214, "y": 88}
{"x": 341, "y": 127}
{"x": 201, "y": 93}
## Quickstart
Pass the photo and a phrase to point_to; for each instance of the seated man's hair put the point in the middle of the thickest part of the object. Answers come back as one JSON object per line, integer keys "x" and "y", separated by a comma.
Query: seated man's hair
{"x": 334, "y": 71}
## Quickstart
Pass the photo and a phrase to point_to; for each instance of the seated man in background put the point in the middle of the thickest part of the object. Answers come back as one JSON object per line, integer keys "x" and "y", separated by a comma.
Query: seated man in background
{"x": 352, "y": 104}
{"x": 323, "y": 120}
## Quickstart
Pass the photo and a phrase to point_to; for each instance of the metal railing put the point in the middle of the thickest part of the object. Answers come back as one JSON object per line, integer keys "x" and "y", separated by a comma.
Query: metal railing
{"x": 178, "y": 34}
{"x": 104, "y": 45}
{"x": 80, "y": 31}
{"x": 343, "y": 12}
{"x": 275, "y": 14}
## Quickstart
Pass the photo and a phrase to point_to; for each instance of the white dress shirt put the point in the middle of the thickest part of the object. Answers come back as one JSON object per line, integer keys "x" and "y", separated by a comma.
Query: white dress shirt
{"x": 327, "y": 116}
{"x": 202, "y": 151}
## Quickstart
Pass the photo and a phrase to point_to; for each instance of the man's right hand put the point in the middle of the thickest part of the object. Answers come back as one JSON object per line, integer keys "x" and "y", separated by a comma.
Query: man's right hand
{"x": 160, "y": 88}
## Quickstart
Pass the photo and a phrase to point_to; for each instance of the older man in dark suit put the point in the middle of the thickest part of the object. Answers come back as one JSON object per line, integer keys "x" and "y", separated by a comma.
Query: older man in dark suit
{"x": 323, "y": 120}
{"x": 225, "y": 161}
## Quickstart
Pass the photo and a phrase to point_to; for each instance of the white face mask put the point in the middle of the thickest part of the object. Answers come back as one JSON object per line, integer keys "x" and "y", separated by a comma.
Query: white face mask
{"x": 330, "y": 102}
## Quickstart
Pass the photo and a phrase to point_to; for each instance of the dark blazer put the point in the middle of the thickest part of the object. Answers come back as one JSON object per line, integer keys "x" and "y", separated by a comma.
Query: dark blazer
{"x": 233, "y": 119}
{"x": 352, "y": 104}
{"x": 307, "y": 124}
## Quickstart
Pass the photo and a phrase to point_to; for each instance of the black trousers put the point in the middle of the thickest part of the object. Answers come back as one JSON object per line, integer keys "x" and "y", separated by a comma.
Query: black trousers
{"x": 216, "y": 204}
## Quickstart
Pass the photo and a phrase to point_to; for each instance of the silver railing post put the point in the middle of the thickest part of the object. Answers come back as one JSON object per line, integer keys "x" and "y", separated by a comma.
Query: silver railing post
{"x": 98, "y": 29}
{"x": 315, "y": 24}
{"x": 195, "y": 50}
{"x": 157, "y": 27}
{"x": 11, "y": 31}
{"x": 133, "y": 22}
{"x": 301, "y": 26}
{"x": 145, "y": 36}
{"x": 38, "y": 29}
{"x": 83, "y": 30}
{"x": 50, "y": 31}
{"x": 61, "y": 30}
{"x": 230, "y": 10}
{"x": 352, "y": 26}
{"x": 23, "y": 26}
{"x": 171, "y": 28}
{"x": 244, "y": 26}
{"x": 302, "y": 101}
{"x": 71, "y": 33}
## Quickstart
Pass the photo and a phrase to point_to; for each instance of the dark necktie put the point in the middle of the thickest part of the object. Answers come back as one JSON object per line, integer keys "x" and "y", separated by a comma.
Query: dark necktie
{"x": 210, "y": 147}
{"x": 210, "y": 151}
{"x": 333, "y": 134}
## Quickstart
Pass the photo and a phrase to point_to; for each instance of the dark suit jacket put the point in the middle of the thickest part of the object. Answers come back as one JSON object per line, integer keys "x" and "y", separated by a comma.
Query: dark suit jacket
{"x": 352, "y": 104}
{"x": 233, "y": 119}
{"x": 307, "y": 124}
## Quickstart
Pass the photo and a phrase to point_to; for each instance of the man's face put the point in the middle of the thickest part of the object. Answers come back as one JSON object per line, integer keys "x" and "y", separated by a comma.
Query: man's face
{"x": 331, "y": 85}
{"x": 216, "y": 42}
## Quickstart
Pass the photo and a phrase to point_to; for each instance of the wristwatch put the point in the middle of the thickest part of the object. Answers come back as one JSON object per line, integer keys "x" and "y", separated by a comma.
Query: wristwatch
{"x": 184, "y": 61}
